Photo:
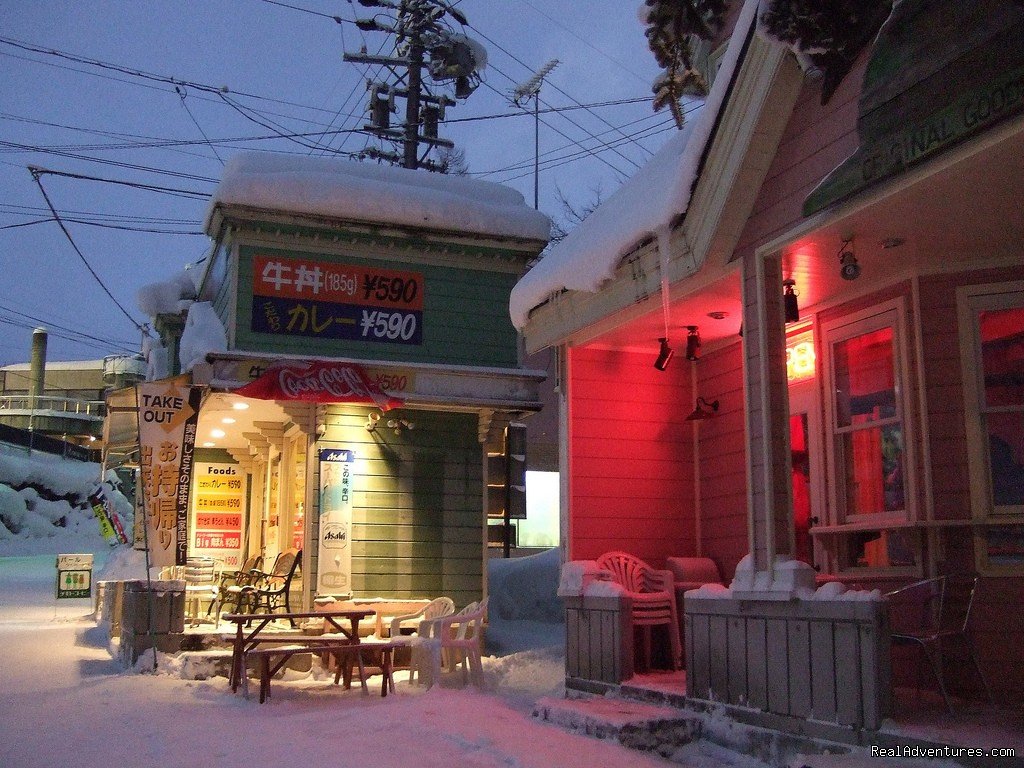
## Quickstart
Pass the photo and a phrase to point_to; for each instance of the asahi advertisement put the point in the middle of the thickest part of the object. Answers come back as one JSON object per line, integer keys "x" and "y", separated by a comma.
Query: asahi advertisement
{"x": 168, "y": 416}
{"x": 335, "y": 548}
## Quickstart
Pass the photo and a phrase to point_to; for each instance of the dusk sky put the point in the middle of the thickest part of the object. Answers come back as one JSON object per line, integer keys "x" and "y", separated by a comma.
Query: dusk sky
{"x": 89, "y": 88}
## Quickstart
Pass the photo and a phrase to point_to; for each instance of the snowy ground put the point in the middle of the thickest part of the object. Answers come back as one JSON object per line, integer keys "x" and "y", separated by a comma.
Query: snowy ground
{"x": 66, "y": 701}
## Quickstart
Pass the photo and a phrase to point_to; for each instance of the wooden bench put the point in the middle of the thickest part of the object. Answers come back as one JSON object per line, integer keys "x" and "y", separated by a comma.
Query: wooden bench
{"x": 270, "y": 660}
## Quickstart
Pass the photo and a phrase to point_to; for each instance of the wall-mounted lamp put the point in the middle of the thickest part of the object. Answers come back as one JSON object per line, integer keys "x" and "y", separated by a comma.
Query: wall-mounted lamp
{"x": 400, "y": 424}
{"x": 664, "y": 355}
{"x": 371, "y": 421}
{"x": 703, "y": 410}
{"x": 692, "y": 342}
{"x": 789, "y": 300}
{"x": 849, "y": 269}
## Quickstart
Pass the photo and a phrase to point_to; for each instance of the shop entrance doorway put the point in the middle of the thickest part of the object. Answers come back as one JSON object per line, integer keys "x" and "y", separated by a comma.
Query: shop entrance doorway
{"x": 805, "y": 444}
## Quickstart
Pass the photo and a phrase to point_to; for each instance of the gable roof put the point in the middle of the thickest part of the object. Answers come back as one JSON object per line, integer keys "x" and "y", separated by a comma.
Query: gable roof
{"x": 645, "y": 206}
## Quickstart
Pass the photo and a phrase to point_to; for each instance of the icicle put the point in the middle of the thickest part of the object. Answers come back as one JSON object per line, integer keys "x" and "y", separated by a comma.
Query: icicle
{"x": 664, "y": 236}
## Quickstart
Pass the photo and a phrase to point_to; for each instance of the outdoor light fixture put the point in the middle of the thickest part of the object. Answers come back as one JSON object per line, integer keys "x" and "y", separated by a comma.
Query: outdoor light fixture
{"x": 371, "y": 421}
{"x": 703, "y": 410}
{"x": 789, "y": 300}
{"x": 692, "y": 342}
{"x": 664, "y": 355}
{"x": 849, "y": 269}
{"x": 399, "y": 424}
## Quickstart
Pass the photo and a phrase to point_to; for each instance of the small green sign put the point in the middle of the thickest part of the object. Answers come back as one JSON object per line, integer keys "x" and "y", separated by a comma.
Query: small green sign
{"x": 74, "y": 576}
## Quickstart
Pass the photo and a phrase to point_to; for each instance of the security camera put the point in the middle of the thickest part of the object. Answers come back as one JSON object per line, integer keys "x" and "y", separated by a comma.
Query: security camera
{"x": 849, "y": 269}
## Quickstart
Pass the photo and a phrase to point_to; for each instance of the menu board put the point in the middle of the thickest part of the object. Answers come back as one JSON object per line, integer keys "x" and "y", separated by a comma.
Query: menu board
{"x": 218, "y": 512}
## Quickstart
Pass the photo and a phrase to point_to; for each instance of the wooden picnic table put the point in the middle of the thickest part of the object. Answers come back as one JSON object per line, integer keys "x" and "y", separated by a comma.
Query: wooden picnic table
{"x": 257, "y": 622}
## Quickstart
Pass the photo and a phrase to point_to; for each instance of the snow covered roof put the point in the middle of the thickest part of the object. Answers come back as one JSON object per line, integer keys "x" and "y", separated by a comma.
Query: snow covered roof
{"x": 325, "y": 186}
{"x": 645, "y": 206}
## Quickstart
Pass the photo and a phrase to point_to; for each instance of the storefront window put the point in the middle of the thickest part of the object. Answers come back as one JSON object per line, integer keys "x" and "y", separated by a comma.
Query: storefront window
{"x": 1001, "y": 332}
{"x": 871, "y": 465}
{"x": 893, "y": 548}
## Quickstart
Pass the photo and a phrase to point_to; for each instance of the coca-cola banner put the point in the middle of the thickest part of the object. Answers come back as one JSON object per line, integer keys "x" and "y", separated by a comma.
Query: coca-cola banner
{"x": 318, "y": 382}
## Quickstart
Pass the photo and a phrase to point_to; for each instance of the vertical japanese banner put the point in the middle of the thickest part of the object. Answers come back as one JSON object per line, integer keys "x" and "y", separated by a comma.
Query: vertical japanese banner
{"x": 218, "y": 519}
{"x": 168, "y": 416}
{"x": 335, "y": 551}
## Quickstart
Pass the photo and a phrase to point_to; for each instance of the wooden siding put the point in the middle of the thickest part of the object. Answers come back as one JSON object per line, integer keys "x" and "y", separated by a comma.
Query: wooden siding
{"x": 417, "y": 504}
{"x": 632, "y": 456}
{"x": 722, "y": 457}
{"x": 816, "y": 660}
{"x": 465, "y": 316}
{"x": 817, "y": 139}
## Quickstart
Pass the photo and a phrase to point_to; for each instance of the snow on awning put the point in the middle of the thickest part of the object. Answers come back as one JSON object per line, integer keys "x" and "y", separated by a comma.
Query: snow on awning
{"x": 325, "y": 186}
{"x": 645, "y": 206}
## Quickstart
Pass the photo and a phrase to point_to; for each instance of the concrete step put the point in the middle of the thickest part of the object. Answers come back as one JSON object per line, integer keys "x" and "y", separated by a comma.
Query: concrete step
{"x": 637, "y": 725}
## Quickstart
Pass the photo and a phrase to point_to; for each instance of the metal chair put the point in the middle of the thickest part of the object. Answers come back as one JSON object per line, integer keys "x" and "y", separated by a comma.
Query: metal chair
{"x": 654, "y": 599}
{"x": 271, "y": 590}
{"x": 933, "y": 615}
{"x": 230, "y": 587}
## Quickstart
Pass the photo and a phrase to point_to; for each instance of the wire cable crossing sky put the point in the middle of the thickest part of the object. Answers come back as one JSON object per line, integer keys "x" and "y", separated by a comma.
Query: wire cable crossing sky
{"x": 132, "y": 113}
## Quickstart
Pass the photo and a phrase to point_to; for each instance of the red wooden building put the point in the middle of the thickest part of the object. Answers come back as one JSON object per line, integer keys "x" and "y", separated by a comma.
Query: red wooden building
{"x": 879, "y": 438}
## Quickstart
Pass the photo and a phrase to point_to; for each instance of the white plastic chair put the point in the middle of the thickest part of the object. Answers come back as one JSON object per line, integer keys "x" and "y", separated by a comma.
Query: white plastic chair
{"x": 435, "y": 609}
{"x": 202, "y": 577}
{"x": 452, "y": 640}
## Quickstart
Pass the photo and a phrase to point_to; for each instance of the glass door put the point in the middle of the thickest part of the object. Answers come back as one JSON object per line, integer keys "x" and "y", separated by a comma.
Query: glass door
{"x": 807, "y": 468}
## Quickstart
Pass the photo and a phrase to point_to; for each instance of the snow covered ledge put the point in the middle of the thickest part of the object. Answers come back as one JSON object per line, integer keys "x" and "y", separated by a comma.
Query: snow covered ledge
{"x": 786, "y": 580}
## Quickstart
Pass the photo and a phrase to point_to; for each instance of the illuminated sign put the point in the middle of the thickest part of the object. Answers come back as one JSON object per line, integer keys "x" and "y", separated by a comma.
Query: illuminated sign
{"x": 800, "y": 357}
{"x": 324, "y": 300}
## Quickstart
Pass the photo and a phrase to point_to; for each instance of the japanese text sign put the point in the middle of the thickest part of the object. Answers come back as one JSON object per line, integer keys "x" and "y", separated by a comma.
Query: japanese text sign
{"x": 168, "y": 416}
{"x": 323, "y": 300}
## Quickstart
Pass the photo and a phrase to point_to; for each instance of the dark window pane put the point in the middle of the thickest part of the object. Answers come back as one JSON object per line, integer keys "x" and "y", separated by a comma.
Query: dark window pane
{"x": 865, "y": 378}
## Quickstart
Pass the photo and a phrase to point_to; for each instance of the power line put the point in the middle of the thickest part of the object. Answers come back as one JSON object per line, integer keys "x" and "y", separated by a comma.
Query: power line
{"x": 147, "y": 187}
{"x": 586, "y": 42}
{"x": 206, "y": 139}
{"x": 36, "y": 175}
{"x": 553, "y": 85}
{"x": 103, "y": 225}
{"x": 310, "y": 11}
{"x": 106, "y": 161}
{"x": 575, "y": 144}
{"x": 50, "y": 325}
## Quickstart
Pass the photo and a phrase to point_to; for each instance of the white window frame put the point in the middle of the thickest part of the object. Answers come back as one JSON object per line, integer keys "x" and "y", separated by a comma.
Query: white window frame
{"x": 890, "y": 314}
{"x": 970, "y": 301}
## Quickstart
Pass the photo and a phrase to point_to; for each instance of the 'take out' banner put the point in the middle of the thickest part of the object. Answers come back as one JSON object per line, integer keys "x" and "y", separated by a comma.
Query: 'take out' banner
{"x": 168, "y": 418}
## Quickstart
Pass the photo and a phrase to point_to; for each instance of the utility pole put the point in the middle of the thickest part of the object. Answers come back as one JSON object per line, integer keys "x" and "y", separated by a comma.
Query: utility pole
{"x": 424, "y": 40}
{"x": 523, "y": 92}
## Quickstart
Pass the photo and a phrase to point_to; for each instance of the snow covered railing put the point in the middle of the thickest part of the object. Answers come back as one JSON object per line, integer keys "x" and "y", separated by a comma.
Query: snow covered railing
{"x": 824, "y": 656}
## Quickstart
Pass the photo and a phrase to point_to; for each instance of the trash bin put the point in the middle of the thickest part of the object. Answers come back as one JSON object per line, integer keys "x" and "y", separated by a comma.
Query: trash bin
{"x": 152, "y": 615}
